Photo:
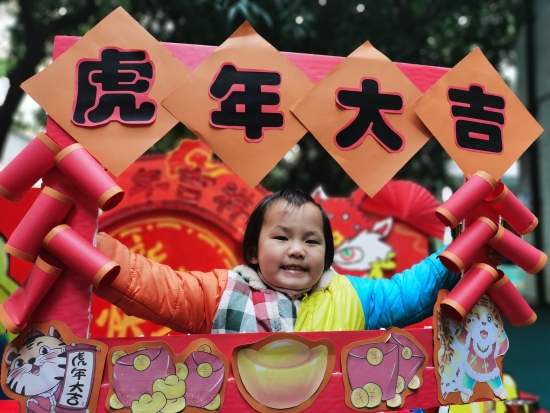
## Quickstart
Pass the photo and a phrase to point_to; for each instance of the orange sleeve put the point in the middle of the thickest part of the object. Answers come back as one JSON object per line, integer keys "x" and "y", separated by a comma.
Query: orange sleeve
{"x": 183, "y": 301}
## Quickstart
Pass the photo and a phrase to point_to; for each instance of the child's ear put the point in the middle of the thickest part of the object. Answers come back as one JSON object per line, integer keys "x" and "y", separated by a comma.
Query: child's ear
{"x": 253, "y": 256}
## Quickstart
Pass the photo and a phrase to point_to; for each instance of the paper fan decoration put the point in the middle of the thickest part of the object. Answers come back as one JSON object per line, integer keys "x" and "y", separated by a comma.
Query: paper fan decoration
{"x": 407, "y": 202}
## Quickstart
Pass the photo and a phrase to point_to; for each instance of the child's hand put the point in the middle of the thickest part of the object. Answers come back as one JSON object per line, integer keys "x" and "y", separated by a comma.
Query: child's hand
{"x": 495, "y": 257}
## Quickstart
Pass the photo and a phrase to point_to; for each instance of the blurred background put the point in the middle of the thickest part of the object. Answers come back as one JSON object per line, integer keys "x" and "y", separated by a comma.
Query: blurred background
{"x": 430, "y": 32}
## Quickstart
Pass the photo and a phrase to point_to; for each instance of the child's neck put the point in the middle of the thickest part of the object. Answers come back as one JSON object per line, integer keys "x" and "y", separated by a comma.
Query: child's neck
{"x": 293, "y": 294}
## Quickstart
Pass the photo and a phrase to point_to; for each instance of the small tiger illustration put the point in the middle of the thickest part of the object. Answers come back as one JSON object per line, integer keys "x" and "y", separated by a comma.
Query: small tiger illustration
{"x": 37, "y": 369}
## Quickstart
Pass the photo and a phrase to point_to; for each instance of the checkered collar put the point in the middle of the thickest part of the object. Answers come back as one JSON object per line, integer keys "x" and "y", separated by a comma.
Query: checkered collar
{"x": 255, "y": 282}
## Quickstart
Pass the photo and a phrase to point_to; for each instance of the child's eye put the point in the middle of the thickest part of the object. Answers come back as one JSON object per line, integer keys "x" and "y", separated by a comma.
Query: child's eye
{"x": 281, "y": 238}
{"x": 312, "y": 241}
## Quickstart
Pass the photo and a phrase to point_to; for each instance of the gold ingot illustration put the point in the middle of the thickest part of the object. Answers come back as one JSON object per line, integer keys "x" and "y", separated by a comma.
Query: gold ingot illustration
{"x": 174, "y": 406}
{"x": 359, "y": 397}
{"x": 115, "y": 403}
{"x": 116, "y": 355}
{"x": 214, "y": 404}
{"x": 375, "y": 394}
{"x": 284, "y": 373}
{"x": 172, "y": 387}
{"x": 142, "y": 362}
{"x": 395, "y": 402}
{"x": 375, "y": 356}
{"x": 182, "y": 371}
{"x": 414, "y": 383}
{"x": 400, "y": 384}
{"x": 149, "y": 404}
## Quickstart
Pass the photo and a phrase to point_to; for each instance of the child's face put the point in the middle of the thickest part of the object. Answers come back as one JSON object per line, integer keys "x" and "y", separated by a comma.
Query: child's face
{"x": 291, "y": 248}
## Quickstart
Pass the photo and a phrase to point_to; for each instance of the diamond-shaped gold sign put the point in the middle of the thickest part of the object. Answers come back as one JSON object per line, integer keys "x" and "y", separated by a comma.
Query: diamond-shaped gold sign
{"x": 361, "y": 113}
{"x": 237, "y": 101}
{"x": 477, "y": 118}
{"x": 86, "y": 90}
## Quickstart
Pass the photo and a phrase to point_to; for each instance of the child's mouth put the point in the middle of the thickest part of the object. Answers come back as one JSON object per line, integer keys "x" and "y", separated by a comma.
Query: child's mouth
{"x": 293, "y": 268}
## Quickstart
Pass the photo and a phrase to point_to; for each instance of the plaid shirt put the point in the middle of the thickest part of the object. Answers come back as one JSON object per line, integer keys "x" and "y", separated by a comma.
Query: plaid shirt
{"x": 247, "y": 305}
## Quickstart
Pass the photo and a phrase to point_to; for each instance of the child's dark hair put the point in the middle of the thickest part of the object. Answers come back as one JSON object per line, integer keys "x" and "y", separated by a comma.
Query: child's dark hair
{"x": 294, "y": 198}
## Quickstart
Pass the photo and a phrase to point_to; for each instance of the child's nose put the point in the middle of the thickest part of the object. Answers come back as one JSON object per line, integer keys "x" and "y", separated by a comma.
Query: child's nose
{"x": 296, "y": 249}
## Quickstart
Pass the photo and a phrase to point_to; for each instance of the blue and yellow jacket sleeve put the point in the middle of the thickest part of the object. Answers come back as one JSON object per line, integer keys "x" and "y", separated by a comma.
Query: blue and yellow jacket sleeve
{"x": 407, "y": 298}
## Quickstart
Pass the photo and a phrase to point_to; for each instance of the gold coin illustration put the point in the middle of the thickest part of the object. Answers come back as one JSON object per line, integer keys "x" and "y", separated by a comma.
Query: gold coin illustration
{"x": 400, "y": 384}
{"x": 359, "y": 397}
{"x": 115, "y": 403}
{"x": 414, "y": 383}
{"x": 205, "y": 348}
{"x": 395, "y": 402}
{"x": 204, "y": 370}
{"x": 214, "y": 404}
{"x": 375, "y": 356}
{"x": 182, "y": 371}
{"x": 375, "y": 394}
{"x": 116, "y": 355}
{"x": 406, "y": 353}
{"x": 142, "y": 362}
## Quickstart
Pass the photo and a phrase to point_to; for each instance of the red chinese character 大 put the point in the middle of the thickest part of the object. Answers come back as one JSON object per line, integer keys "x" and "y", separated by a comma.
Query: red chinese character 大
{"x": 114, "y": 88}
{"x": 478, "y": 117}
{"x": 248, "y": 100}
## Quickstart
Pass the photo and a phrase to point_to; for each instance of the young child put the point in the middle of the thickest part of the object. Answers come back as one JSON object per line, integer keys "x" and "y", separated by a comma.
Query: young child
{"x": 286, "y": 285}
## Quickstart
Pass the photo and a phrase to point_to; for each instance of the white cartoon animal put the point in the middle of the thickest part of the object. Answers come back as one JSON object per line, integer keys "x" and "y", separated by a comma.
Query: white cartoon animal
{"x": 366, "y": 248}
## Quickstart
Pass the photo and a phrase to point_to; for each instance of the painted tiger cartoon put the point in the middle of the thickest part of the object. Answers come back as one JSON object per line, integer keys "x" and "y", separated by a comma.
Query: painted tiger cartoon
{"x": 37, "y": 369}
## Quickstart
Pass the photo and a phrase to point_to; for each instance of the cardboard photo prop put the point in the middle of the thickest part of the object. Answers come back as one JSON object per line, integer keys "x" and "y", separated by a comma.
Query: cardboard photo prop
{"x": 47, "y": 368}
{"x": 283, "y": 372}
{"x": 112, "y": 80}
{"x": 237, "y": 102}
{"x": 149, "y": 378}
{"x": 476, "y": 117}
{"x": 468, "y": 356}
{"x": 361, "y": 113}
{"x": 380, "y": 373}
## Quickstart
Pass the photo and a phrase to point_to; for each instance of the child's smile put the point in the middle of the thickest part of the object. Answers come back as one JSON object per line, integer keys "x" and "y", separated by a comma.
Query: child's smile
{"x": 291, "y": 247}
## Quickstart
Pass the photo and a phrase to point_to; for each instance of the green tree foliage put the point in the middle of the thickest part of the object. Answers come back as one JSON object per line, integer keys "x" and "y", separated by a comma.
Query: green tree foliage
{"x": 429, "y": 32}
